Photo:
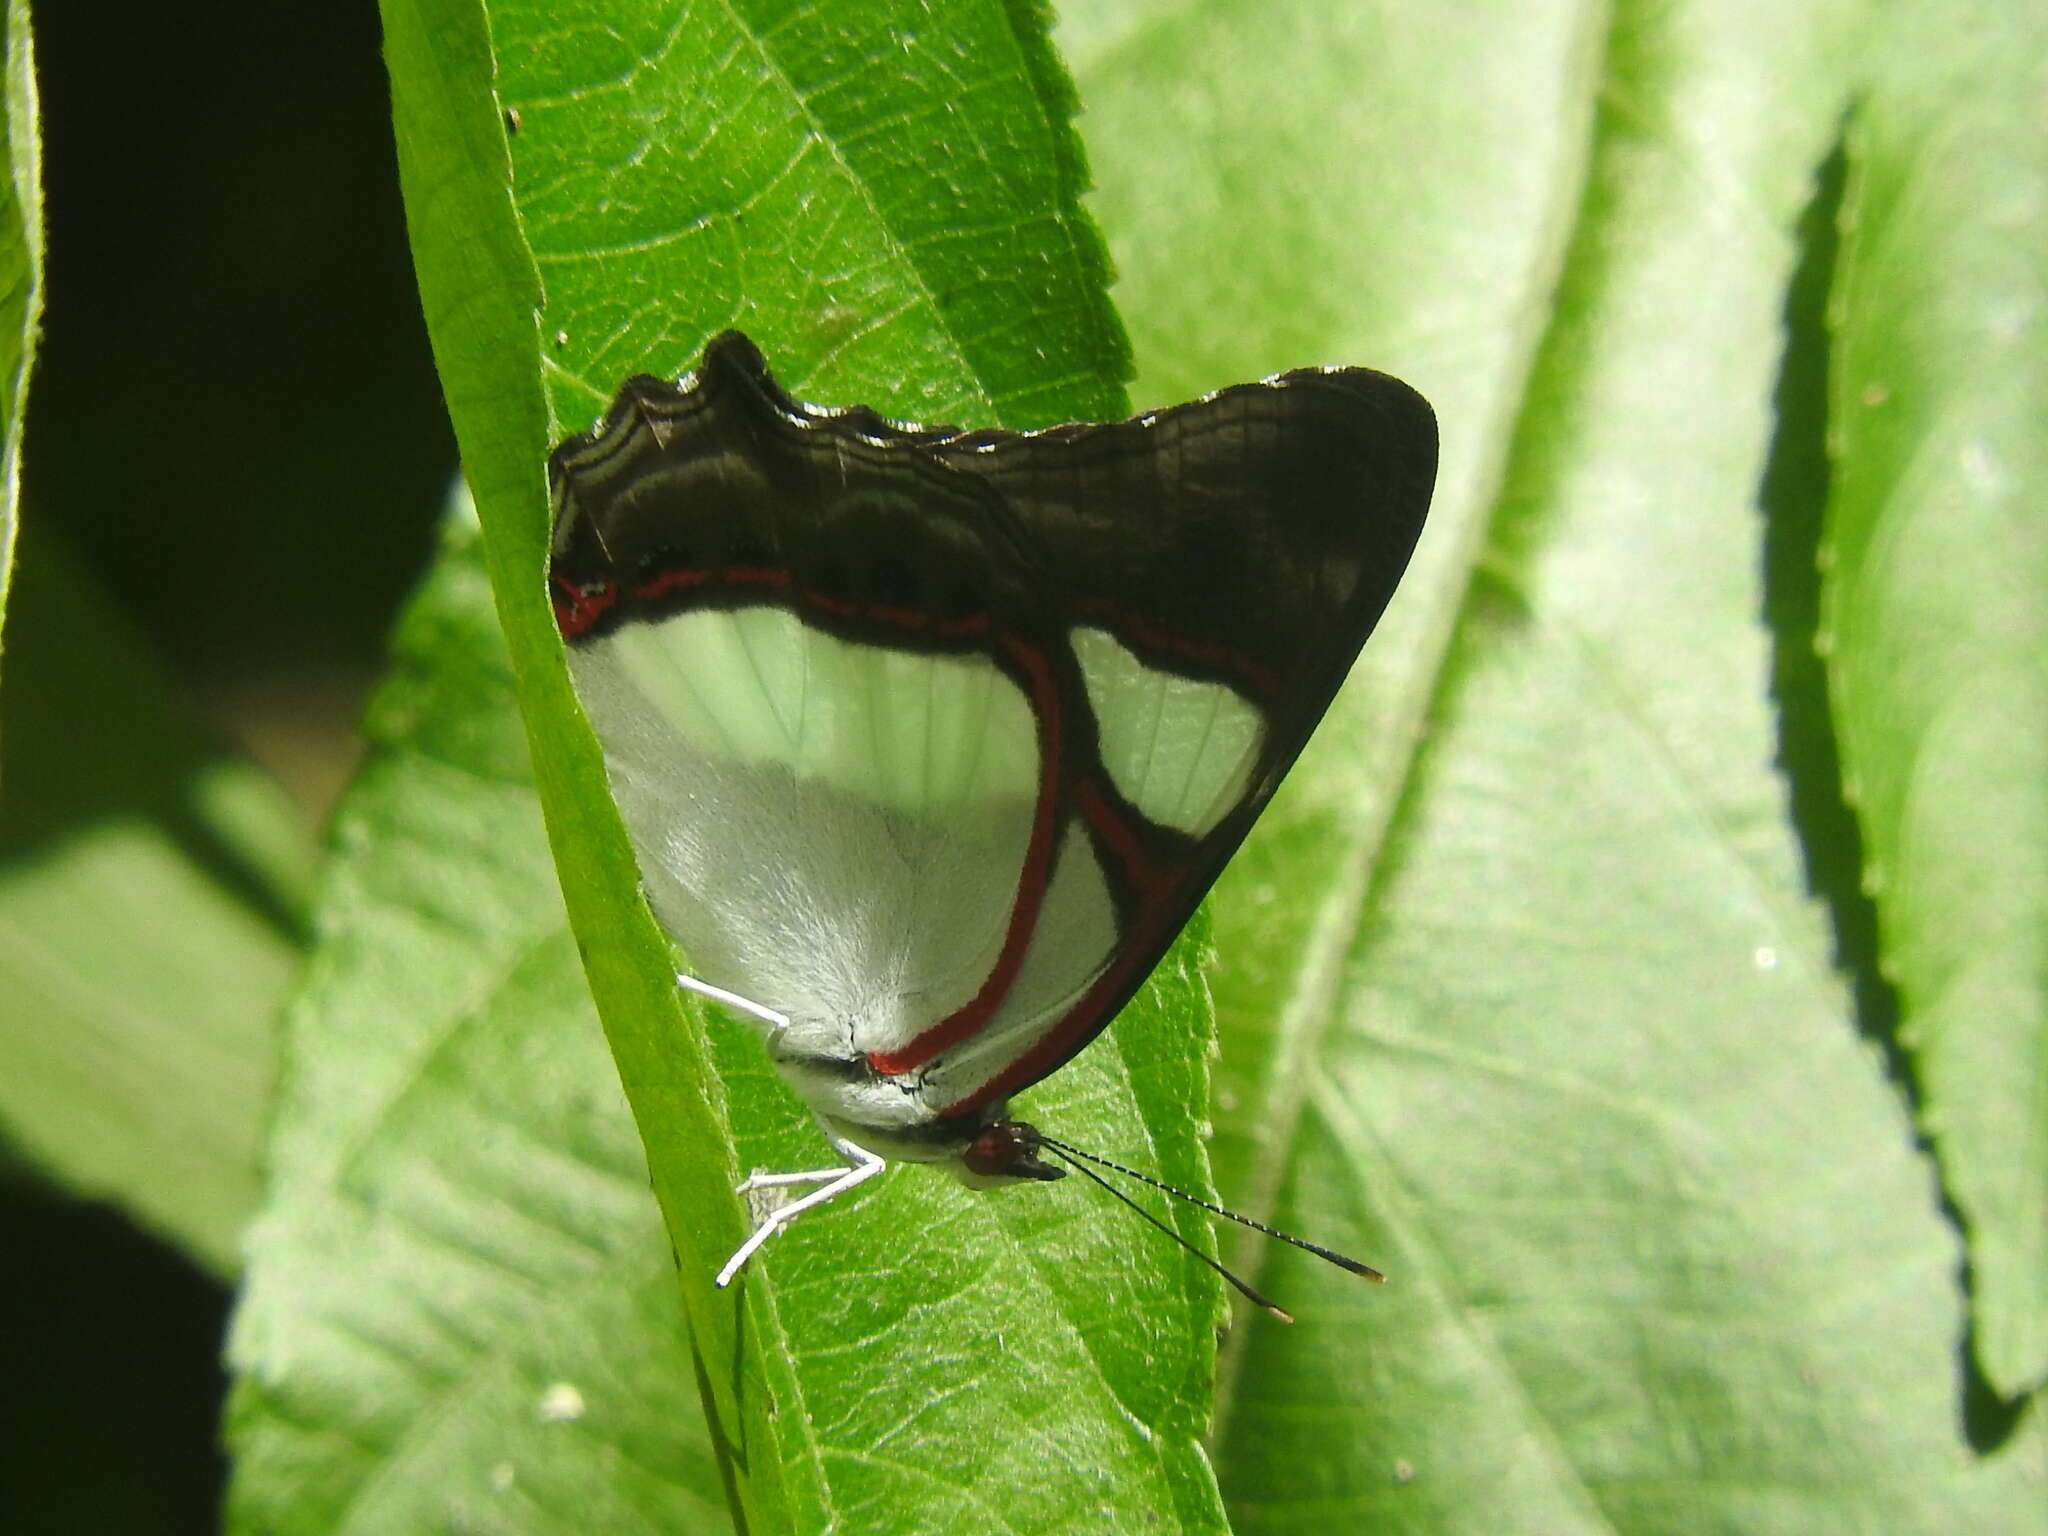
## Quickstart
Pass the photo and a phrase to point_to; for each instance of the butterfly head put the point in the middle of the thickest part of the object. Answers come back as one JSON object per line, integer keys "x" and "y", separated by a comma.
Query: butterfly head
{"x": 985, "y": 1147}
{"x": 1003, "y": 1153}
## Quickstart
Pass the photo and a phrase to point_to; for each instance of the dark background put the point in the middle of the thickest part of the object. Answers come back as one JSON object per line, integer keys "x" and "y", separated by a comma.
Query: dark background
{"x": 235, "y": 425}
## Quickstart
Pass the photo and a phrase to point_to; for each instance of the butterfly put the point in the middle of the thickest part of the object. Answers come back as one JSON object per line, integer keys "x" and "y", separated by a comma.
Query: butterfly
{"x": 928, "y": 740}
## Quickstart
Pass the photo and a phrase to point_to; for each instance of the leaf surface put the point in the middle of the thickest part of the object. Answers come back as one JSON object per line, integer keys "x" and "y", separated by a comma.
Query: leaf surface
{"x": 1935, "y": 629}
{"x": 21, "y": 263}
{"x": 1522, "y": 989}
{"x": 461, "y": 1311}
{"x": 891, "y": 1363}
{"x": 151, "y": 892}
{"x": 1523, "y": 992}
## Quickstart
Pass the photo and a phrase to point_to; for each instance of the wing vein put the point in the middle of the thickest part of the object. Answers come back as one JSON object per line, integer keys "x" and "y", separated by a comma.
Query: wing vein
{"x": 1201, "y": 751}
{"x": 926, "y": 788}
{"x": 972, "y": 777}
{"x": 746, "y": 643}
{"x": 1150, "y": 760}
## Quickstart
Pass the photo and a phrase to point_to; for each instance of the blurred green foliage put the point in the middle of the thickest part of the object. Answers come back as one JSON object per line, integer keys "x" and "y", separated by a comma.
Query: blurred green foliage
{"x": 1644, "y": 966}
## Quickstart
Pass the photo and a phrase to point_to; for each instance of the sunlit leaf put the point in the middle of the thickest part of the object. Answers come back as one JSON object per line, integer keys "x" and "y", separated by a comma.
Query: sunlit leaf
{"x": 1540, "y": 1013}
{"x": 1937, "y": 632}
{"x": 909, "y": 1352}
{"x": 21, "y": 261}
{"x": 1524, "y": 993}
{"x": 150, "y": 890}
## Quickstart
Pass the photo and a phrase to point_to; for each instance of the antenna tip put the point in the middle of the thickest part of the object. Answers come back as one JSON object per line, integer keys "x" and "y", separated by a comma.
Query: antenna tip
{"x": 1363, "y": 1271}
{"x": 1280, "y": 1312}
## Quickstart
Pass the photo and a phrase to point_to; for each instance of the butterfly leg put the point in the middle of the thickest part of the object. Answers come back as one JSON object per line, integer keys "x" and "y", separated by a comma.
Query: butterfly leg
{"x": 866, "y": 1165}
{"x": 754, "y": 1181}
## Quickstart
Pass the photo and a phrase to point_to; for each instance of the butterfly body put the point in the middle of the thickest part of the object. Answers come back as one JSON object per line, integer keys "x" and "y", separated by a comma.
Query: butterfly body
{"x": 929, "y": 741}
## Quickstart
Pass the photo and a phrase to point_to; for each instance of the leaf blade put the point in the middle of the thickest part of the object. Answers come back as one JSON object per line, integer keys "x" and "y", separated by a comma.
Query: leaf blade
{"x": 140, "y": 1052}
{"x": 616, "y": 291}
{"x": 1932, "y": 633}
{"x": 21, "y": 265}
{"x": 459, "y": 1270}
{"x": 1449, "y": 1408}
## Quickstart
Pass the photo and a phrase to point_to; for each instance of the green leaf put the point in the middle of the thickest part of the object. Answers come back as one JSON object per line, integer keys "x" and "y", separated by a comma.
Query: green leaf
{"x": 886, "y": 1364}
{"x": 138, "y": 1050}
{"x": 21, "y": 263}
{"x": 1364, "y": 254}
{"x": 462, "y": 1307}
{"x": 887, "y": 205}
{"x": 1522, "y": 992}
{"x": 461, "y": 1312}
{"x": 151, "y": 884}
{"x": 1936, "y": 629}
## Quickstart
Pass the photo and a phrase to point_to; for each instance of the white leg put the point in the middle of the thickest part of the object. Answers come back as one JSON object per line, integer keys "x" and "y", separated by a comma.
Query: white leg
{"x": 866, "y": 1166}
{"x": 745, "y": 1005}
{"x": 754, "y": 1181}
{"x": 775, "y": 1020}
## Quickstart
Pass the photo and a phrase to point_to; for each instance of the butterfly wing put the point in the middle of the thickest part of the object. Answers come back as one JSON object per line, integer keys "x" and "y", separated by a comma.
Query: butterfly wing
{"x": 931, "y": 740}
{"x": 1219, "y": 566}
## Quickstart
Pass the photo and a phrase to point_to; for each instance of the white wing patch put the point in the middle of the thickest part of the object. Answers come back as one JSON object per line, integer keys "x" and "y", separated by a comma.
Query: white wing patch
{"x": 1179, "y": 750}
{"x": 836, "y": 831}
{"x": 920, "y": 734}
{"x": 1071, "y": 946}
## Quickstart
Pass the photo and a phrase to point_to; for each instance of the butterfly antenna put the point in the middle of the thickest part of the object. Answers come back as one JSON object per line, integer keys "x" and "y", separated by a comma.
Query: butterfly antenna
{"x": 1074, "y": 1162}
{"x": 1075, "y": 1157}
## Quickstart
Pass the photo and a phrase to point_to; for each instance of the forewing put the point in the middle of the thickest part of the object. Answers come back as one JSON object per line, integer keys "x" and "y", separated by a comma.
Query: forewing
{"x": 1218, "y": 566}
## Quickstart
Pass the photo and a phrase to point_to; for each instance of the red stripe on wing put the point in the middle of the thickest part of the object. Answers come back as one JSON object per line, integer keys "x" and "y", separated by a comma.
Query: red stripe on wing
{"x": 1032, "y": 881}
{"x": 1136, "y": 954}
{"x": 1075, "y": 1028}
{"x": 577, "y": 606}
